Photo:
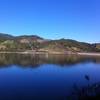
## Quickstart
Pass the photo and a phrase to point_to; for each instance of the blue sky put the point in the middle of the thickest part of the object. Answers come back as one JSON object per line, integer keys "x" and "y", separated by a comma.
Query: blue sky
{"x": 52, "y": 19}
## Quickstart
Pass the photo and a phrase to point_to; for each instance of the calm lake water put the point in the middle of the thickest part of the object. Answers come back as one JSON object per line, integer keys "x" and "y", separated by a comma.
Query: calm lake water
{"x": 45, "y": 77}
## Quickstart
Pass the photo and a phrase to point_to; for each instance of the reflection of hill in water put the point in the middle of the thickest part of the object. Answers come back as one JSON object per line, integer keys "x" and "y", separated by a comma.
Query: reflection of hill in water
{"x": 37, "y": 60}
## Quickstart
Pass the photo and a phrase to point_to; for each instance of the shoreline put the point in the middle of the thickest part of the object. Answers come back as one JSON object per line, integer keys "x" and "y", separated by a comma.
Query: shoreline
{"x": 78, "y": 53}
{"x": 89, "y": 54}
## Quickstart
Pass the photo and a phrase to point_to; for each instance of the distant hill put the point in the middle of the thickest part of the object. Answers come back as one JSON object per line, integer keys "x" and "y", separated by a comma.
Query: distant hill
{"x": 29, "y": 42}
{"x": 5, "y": 36}
{"x": 29, "y": 38}
{"x": 70, "y": 45}
{"x": 97, "y": 45}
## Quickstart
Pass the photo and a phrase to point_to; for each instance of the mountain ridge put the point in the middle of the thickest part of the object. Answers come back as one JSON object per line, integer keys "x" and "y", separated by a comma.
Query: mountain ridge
{"x": 27, "y": 42}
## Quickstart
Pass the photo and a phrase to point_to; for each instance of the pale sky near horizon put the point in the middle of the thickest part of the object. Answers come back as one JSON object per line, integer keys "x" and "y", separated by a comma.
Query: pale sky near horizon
{"x": 52, "y": 19}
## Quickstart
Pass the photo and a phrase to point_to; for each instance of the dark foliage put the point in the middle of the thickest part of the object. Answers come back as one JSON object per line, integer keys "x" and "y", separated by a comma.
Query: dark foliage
{"x": 89, "y": 92}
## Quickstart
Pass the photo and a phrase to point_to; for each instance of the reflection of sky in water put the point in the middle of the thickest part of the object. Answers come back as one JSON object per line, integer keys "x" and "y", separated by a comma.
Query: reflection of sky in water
{"x": 48, "y": 81}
